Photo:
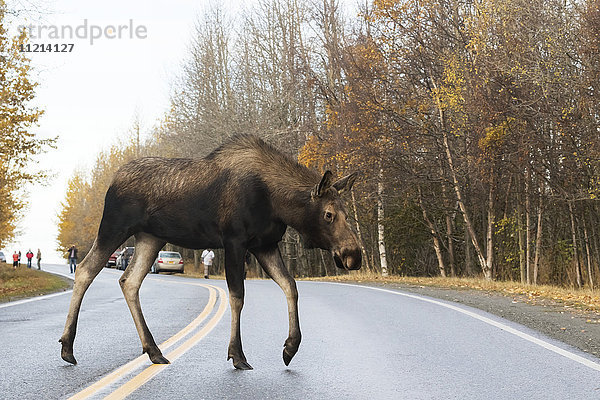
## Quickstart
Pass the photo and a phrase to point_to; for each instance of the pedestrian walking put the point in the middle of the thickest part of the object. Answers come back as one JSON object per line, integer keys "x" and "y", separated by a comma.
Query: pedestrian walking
{"x": 19, "y": 256}
{"x": 73, "y": 258}
{"x": 29, "y": 256}
{"x": 15, "y": 260}
{"x": 39, "y": 258}
{"x": 207, "y": 260}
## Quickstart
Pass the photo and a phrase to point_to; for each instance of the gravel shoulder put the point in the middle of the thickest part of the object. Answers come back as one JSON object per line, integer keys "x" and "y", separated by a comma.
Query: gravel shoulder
{"x": 576, "y": 327}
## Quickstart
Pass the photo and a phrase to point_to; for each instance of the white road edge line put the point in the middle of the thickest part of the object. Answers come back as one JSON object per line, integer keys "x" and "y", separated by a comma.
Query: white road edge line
{"x": 44, "y": 297}
{"x": 565, "y": 353}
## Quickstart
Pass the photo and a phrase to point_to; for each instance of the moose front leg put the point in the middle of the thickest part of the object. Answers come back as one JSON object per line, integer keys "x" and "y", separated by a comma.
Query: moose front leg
{"x": 234, "y": 272}
{"x": 272, "y": 262}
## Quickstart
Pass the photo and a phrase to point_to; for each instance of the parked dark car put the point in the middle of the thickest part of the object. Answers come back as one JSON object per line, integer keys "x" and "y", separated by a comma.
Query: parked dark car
{"x": 124, "y": 258}
{"x": 168, "y": 261}
{"x": 112, "y": 260}
{"x": 2, "y": 257}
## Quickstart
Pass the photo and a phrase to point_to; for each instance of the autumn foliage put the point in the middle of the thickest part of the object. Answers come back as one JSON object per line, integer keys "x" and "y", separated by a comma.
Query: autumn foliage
{"x": 474, "y": 126}
{"x": 18, "y": 145}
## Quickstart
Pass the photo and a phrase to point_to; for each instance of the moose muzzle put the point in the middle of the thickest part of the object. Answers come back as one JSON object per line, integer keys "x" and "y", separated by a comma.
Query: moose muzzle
{"x": 348, "y": 258}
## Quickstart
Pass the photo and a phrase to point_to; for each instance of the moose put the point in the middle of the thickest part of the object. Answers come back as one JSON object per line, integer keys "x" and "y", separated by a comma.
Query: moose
{"x": 241, "y": 197}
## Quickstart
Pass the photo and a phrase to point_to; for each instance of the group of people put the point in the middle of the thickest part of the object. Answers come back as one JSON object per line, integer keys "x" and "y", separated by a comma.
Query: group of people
{"x": 29, "y": 255}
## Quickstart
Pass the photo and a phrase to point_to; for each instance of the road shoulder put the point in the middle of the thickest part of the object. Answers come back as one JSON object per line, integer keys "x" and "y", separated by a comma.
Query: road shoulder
{"x": 565, "y": 323}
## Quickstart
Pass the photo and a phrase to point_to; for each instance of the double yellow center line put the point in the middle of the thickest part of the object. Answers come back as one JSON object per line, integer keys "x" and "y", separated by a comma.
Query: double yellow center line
{"x": 144, "y": 376}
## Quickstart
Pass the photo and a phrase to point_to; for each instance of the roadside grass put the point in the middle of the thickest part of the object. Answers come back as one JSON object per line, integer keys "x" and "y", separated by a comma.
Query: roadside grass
{"x": 584, "y": 299}
{"x": 25, "y": 282}
{"x": 192, "y": 273}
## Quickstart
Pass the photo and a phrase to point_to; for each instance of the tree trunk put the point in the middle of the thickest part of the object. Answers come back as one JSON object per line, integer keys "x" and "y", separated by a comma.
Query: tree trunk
{"x": 196, "y": 261}
{"x": 289, "y": 253}
{"x": 468, "y": 255}
{"x": 538, "y": 241}
{"x": 480, "y": 257}
{"x": 358, "y": 232}
{"x": 521, "y": 240}
{"x": 434, "y": 234}
{"x": 527, "y": 229}
{"x": 380, "y": 226}
{"x": 487, "y": 271}
{"x": 449, "y": 231}
{"x": 595, "y": 247}
{"x": 588, "y": 255}
{"x": 575, "y": 252}
{"x": 301, "y": 257}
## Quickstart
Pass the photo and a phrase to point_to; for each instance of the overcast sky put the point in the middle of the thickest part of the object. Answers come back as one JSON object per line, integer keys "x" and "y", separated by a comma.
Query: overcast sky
{"x": 90, "y": 96}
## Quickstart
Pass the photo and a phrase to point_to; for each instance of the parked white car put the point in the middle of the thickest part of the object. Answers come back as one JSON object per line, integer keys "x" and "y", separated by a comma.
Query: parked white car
{"x": 168, "y": 261}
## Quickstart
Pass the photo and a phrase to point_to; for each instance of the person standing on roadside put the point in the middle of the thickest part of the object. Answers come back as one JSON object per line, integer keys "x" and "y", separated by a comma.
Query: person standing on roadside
{"x": 207, "y": 260}
{"x": 73, "y": 258}
{"x": 29, "y": 256}
{"x": 19, "y": 256}
{"x": 15, "y": 260}
{"x": 39, "y": 258}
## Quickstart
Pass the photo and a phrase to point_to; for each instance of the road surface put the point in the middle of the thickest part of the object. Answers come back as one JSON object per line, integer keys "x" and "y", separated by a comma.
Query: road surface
{"x": 358, "y": 343}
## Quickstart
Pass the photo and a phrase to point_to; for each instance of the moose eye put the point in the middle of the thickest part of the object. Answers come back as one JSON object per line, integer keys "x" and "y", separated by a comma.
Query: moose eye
{"x": 328, "y": 216}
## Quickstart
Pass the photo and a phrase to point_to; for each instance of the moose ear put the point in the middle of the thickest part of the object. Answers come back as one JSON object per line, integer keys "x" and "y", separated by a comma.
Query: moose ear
{"x": 345, "y": 184}
{"x": 324, "y": 184}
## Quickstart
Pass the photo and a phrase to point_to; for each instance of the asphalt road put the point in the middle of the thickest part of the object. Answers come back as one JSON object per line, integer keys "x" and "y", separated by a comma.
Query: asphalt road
{"x": 358, "y": 343}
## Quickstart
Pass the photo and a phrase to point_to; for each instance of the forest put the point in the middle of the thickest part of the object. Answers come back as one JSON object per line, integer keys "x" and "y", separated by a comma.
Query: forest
{"x": 474, "y": 126}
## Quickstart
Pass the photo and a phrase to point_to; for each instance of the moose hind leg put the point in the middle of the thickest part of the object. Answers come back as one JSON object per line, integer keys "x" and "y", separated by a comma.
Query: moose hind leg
{"x": 146, "y": 250}
{"x": 89, "y": 268}
{"x": 271, "y": 261}
{"x": 234, "y": 272}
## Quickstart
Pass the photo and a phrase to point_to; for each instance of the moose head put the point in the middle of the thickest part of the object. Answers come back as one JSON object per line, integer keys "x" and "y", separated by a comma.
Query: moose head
{"x": 327, "y": 225}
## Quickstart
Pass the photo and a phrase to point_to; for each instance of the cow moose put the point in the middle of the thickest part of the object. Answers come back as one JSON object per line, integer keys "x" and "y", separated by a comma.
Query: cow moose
{"x": 241, "y": 197}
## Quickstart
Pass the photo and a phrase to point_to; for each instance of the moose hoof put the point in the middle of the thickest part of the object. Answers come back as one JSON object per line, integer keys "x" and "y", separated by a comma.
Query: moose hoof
{"x": 66, "y": 353}
{"x": 287, "y": 357}
{"x": 289, "y": 350}
{"x": 240, "y": 362}
{"x": 159, "y": 359}
{"x": 69, "y": 358}
{"x": 242, "y": 365}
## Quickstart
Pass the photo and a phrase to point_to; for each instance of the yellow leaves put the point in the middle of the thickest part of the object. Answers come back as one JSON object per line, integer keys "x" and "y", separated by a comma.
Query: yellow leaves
{"x": 494, "y": 136}
{"x": 17, "y": 116}
{"x": 450, "y": 91}
{"x": 312, "y": 154}
{"x": 81, "y": 211}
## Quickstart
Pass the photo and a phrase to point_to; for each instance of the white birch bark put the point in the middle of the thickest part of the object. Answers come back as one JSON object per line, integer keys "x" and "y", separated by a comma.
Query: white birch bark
{"x": 380, "y": 225}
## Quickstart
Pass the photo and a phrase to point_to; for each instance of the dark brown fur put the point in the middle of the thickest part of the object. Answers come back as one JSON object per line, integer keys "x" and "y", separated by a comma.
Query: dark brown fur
{"x": 241, "y": 197}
